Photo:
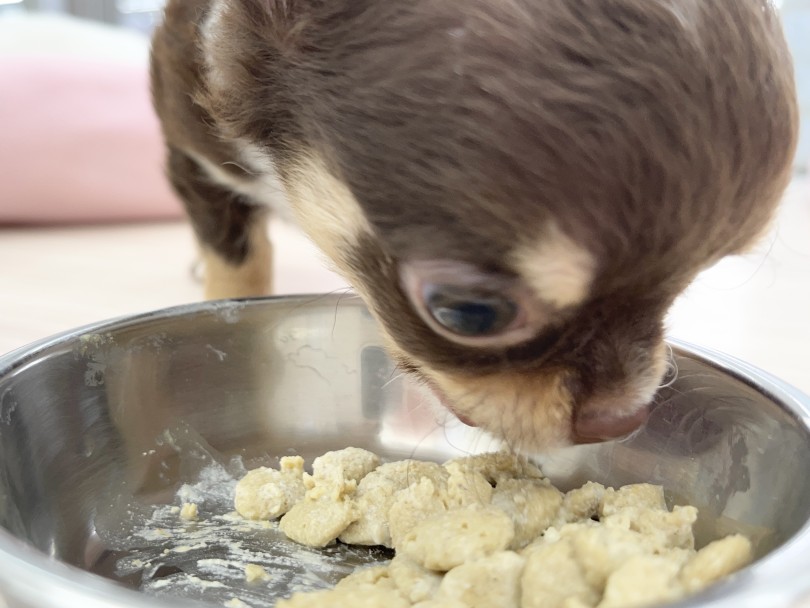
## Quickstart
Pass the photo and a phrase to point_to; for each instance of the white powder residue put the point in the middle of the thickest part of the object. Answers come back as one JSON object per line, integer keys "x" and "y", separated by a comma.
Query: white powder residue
{"x": 188, "y": 580}
{"x": 187, "y": 548}
{"x": 206, "y": 559}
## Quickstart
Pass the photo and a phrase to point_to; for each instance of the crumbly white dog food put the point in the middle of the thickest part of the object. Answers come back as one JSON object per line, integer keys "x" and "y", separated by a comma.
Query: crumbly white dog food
{"x": 266, "y": 493}
{"x": 487, "y": 531}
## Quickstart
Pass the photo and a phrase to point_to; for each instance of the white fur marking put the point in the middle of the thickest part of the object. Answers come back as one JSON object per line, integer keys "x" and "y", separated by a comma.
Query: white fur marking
{"x": 326, "y": 209}
{"x": 558, "y": 270}
{"x": 216, "y": 76}
{"x": 262, "y": 187}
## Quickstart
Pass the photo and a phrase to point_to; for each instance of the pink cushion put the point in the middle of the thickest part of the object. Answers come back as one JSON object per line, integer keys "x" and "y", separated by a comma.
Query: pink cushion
{"x": 80, "y": 143}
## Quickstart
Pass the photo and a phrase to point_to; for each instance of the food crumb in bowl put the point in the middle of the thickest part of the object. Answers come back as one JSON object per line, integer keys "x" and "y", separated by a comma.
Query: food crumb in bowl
{"x": 189, "y": 511}
{"x": 491, "y": 531}
{"x": 716, "y": 560}
{"x": 266, "y": 493}
{"x": 256, "y": 573}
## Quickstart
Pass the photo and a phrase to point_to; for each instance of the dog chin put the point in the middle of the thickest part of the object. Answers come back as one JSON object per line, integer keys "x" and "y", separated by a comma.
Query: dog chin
{"x": 530, "y": 413}
{"x": 448, "y": 403}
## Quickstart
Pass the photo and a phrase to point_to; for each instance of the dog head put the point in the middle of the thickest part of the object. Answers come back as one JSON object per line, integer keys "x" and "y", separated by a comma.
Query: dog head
{"x": 519, "y": 189}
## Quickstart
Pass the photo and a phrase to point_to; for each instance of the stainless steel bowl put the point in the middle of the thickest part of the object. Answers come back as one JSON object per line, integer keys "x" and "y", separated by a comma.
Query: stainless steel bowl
{"x": 100, "y": 428}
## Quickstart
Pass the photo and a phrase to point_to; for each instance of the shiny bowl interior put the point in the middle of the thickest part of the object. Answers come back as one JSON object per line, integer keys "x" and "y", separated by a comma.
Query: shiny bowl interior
{"x": 103, "y": 429}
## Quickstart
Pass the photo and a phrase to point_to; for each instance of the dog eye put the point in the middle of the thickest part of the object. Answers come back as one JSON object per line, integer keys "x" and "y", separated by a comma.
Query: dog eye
{"x": 469, "y": 306}
{"x": 468, "y": 312}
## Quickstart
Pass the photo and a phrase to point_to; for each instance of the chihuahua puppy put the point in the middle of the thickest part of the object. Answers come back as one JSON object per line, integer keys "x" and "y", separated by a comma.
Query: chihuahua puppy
{"x": 518, "y": 189}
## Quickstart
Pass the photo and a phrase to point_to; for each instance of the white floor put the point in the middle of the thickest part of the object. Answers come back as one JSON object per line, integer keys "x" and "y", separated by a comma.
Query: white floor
{"x": 755, "y": 307}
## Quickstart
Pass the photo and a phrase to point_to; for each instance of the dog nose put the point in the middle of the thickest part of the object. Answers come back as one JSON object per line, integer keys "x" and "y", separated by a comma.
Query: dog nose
{"x": 601, "y": 422}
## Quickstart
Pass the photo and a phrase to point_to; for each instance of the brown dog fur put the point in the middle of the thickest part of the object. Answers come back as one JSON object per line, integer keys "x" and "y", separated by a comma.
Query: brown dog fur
{"x": 623, "y": 145}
